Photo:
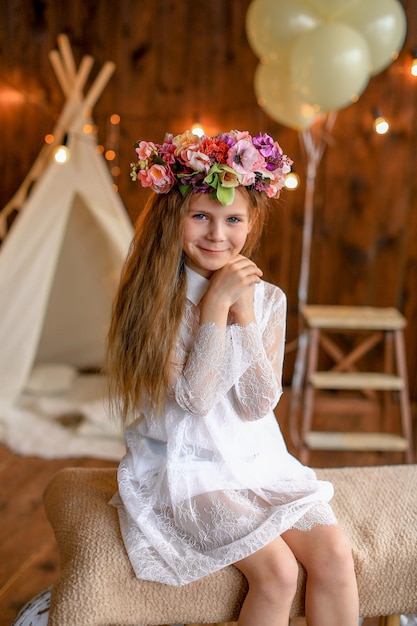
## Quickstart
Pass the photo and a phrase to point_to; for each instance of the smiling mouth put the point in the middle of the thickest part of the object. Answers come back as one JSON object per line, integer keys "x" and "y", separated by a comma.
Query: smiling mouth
{"x": 212, "y": 251}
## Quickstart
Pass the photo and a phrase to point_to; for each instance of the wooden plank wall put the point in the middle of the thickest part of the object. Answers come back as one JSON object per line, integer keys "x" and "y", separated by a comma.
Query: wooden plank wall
{"x": 181, "y": 59}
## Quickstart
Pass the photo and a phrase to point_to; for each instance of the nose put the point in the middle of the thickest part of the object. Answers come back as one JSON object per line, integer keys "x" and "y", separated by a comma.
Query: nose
{"x": 216, "y": 231}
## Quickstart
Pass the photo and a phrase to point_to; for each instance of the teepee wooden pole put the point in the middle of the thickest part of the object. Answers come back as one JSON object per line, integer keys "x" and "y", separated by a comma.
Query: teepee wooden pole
{"x": 67, "y": 56}
{"x": 99, "y": 84}
{"x": 62, "y": 77}
{"x": 17, "y": 200}
{"x": 72, "y": 82}
{"x": 83, "y": 73}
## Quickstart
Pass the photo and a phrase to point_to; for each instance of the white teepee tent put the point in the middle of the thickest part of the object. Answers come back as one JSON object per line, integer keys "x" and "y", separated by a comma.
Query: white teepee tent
{"x": 60, "y": 263}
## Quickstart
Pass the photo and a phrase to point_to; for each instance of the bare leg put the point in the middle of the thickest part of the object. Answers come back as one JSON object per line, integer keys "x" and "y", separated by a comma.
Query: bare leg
{"x": 272, "y": 575}
{"x": 331, "y": 590}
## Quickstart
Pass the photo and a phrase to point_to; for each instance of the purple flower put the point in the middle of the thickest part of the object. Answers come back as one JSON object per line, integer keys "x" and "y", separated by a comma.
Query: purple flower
{"x": 269, "y": 149}
{"x": 227, "y": 139}
{"x": 212, "y": 164}
{"x": 195, "y": 180}
{"x": 261, "y": 184}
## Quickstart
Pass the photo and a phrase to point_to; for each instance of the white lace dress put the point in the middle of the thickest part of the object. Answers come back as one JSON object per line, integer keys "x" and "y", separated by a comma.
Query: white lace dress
{"x": 212, "y": 480}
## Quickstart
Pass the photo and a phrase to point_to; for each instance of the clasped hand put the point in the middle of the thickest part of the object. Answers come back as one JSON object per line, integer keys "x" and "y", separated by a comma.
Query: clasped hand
{"x": 231, "y": 291}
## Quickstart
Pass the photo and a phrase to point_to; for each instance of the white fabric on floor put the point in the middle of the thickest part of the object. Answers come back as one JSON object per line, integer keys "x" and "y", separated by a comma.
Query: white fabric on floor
{"x": 63, "y": 425}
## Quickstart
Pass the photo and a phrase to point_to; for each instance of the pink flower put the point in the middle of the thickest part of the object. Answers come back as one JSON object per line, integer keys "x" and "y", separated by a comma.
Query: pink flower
{"x": 188, "y": 149}
{"x": 158, "y": 177}
{"x": 275, "y": 184}
{"x": 167, "y": 150}
{"x": 167, "y": 153}
{"x": 145, "y": 150}
{"x": 247, "y": 179}
{"x": 244, "y": 157}
{"x": 217, "y": 163}
{"x": 238, "y": 135}
{"x": 273, "y": 189}
{"x": 194, "y": 158}
{"x": 286, "y": 165}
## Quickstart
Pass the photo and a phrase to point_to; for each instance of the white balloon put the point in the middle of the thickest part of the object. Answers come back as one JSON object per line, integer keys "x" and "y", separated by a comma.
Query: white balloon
{"x": 277, "y": 96}
{"x": 383, "y": 24}
{"x": 332, "y": 8}
{"x": 330, "y": 66}
{"x": 271, "y": 25}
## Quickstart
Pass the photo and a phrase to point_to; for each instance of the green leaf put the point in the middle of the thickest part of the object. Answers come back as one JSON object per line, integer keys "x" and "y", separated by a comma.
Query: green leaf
{"x": 183, "y": 188}
{"x": 225, "y": 195}
{"x": 212, "y": 177}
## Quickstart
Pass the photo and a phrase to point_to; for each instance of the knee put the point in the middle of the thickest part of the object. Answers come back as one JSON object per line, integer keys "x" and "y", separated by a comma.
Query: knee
{"x": 276, "y": 581}
{"x": 336, "y": 561}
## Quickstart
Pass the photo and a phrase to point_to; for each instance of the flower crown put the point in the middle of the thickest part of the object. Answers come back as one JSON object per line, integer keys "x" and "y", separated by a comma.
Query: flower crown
{"x": 214, "y": 165}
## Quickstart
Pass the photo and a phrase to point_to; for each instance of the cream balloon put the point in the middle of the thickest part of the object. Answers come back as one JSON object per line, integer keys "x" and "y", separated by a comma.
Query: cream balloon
{"x": 384, "y": 25}
{"x": 272, "y": 24}
{"x": 330, "y": 66}
{"x": 277, "y": 96}
{"x": 332, "y": 8}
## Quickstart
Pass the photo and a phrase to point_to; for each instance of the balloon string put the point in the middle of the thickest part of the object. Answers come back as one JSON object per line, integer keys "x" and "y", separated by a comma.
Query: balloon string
{"x": 314, "y": 149}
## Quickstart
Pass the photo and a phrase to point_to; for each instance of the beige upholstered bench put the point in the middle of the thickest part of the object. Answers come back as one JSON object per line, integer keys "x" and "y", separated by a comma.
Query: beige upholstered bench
{"x": 376, "y": 505}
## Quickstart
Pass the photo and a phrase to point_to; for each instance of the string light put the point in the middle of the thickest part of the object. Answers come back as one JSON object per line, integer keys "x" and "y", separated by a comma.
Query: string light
{"x": 61, "y": 152}
{"x": 110, "y": 155}
{"x": 197, "y": 129}
{"x": 413, "y": 68}
{"x": 381, "y": 124}
{"x": 111, "y": 152}
{"x": 292, "y": 180}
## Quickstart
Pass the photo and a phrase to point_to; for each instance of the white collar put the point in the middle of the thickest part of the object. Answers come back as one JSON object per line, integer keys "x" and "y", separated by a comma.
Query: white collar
{"x": 197, "y": 285}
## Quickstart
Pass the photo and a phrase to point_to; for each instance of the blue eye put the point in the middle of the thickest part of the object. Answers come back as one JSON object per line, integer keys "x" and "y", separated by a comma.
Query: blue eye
{"x": 199, "y": 216}
{"x": 234, "y": 220}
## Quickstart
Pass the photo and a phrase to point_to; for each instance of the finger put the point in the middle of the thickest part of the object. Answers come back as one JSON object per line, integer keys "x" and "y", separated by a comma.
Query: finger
{"x": 243, "y": 263}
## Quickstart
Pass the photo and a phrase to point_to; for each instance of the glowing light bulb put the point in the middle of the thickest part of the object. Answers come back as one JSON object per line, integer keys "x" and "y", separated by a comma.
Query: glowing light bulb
{"x": 381, "y": 125}
{"x": 110, "y": 155}
{"x": 61, "y": 154}
{"x": 413, "y": 66}
{"x": 292, "y": 180}
{"x": 197, "y": 129}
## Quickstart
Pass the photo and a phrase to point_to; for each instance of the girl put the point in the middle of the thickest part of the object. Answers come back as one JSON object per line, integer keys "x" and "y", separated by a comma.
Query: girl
{"x": 195, "y": 357}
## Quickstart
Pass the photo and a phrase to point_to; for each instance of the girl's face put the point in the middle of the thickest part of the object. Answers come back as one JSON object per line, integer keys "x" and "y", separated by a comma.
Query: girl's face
{"x": 214, "y": 234}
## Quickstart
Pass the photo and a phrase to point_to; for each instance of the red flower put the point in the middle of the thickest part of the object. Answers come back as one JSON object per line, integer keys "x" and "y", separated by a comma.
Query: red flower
{"x": 215, "y": 148}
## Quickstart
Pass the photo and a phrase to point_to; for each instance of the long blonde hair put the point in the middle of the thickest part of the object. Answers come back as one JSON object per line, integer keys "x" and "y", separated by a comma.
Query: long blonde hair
{"x": 150, "y": 300}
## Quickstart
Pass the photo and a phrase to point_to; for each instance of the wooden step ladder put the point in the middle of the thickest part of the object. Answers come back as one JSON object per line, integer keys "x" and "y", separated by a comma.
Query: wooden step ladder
{"x": 374, "y": 326}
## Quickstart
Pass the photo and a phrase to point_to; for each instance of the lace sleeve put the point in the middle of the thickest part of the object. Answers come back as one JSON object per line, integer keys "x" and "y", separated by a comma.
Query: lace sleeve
{"x": 236, "y": 357}
{"x": 260, "y": 386}
{"x": 215, "y": 363}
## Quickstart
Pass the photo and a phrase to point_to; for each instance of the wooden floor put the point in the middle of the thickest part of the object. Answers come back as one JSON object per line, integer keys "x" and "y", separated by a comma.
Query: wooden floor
{"x": 28, "y": 555}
